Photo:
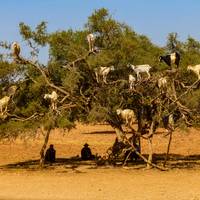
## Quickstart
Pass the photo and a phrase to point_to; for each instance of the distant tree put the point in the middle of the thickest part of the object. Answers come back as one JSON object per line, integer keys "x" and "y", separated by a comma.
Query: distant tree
{"x": 173, "y": 44}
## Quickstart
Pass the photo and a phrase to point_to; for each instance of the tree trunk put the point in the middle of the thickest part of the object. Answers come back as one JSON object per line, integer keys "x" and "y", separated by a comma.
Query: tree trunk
{"x": 168, "y": 148}
{"x": 139, "y": 118}
{"x": 139, "y": 130}
{"x": 151, "y": 131}
{"x": 42, "y": 151}
{"x": 150, "y": 153}
{"x": 139, "y": 143}
{"x": 122, "y": 137}
{"x": 119, "y": 133}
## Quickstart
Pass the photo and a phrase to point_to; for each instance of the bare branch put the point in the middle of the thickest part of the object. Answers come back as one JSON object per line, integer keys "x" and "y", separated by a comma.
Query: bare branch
{"x": 22, "y": 60}
{"x": 83, "y": 58}
{"x": 189, "y": 88}
{"x": 141, "y": 156}
{"x": 67, "y": 106}
{"x": 17, "y": 118}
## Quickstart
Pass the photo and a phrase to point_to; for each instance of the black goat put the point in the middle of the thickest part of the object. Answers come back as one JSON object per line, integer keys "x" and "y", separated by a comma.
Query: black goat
{"x": 173, "y": 58}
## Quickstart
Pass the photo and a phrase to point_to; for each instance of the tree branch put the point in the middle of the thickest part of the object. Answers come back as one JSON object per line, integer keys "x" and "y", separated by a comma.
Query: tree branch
{"x": 24, "y": 61}
{"x": 72, "y": 63}
{"x": 17, "y": 118}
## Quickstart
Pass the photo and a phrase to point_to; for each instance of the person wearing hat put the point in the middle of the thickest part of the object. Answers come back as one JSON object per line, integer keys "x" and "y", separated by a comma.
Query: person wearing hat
{"x": 50, "y": 155}
{"x": 86, "y": 153}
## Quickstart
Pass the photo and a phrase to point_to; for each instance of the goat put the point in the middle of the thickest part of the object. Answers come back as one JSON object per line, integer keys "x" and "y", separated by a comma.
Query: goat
{"x": 131, "y": 80}
{"x": 4, "y": 104}
{"x": 141, "y": 69}
{"x": 12, "y": 90}
{"x": 162, "y": 82}
{"x": 103, "y": 71}
{"x": 173, "y": 58}
{"x": 127, "y": 115}
{"x": 91, "y": 40}
{"x": 171, "y": 122}
{"x": 195, "y": 69}
{"x": 53, "y": 97}
{"x": 15, "y": 47}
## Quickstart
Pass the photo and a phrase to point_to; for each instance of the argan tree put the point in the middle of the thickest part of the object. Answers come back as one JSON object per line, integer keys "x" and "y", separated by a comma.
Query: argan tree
{"x": 70, "y": 72}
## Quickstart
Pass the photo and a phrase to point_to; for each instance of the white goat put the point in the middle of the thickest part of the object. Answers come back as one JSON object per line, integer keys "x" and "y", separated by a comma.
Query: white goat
{"x": 162, "y": 82}
{"x": 4, "y": 104}
{"x": 12, "y": 90}
{"x": 53, "y": 97}
{"x": 103, "y": 71}
{"x": 195, "y": 69}
{"x": 127, "y": 115}
{"x": 141, "y": 69}
{"x": 131, "y": 80}
{"x": 15, "y": 47}
{"x": 169, "y": 123}
{"x": 91, "y": 40}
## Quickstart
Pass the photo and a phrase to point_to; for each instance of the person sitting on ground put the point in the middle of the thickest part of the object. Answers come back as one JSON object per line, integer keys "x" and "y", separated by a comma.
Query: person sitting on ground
{"x": 86, "y": 153}
{"x": 50, "y": 155}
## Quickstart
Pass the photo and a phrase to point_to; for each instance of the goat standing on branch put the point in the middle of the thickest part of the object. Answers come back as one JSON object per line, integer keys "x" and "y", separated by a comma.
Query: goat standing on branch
{"x": 91, "y": 40}
{"x": 162, "y": 83}
{"x": 141, "y": 69}
{"x": 131, "y": 80}
{"x": 12, "y": 90}
{"x": 127, "y": 114}
{"x": 173, "y": 58}
{"x": 103, "y": 71}
{"x": 15, "y": 47}
{"x": 195, "y": 69}
{"x": 53, "y": 97}
{"x": 4, "y": 104}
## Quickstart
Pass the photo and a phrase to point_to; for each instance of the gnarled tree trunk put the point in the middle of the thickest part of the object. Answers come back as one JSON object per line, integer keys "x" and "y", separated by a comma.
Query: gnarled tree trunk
{"x": 42, "y": 151}
{"x": 150, "y": 138}
{"x": 150, "y": 153}
{"x": 168, "y": 148}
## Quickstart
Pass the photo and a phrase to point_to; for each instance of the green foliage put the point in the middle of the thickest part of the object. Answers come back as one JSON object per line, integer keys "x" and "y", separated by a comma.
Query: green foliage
{"x": 173, "y": 44}
{"x": 66, "y": 46}
{"x": 9, "y": 72}
{"x": 13, "y": 129}
{"x": 87, "y": 100}
{"x": 64, "y": 122}
{"x": 39, "y": 36}
{"x": 97, "y": 114}
{"x": 71, "y": 81}
{"x": 192, "y": 100}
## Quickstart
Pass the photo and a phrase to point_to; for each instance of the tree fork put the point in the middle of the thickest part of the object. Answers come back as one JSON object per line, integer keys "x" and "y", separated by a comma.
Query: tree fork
{"x": 119, "y": 132}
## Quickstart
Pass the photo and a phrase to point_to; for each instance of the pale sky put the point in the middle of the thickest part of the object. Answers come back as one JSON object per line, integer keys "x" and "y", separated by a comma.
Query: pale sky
{"x": 153, "y": 18}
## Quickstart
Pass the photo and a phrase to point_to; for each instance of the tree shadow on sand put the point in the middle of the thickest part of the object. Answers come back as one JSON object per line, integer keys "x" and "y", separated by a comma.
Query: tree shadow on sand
{"x": 175, "y": 161}
{"x": 68, "y": 163}
{"x": 99, "y": 132}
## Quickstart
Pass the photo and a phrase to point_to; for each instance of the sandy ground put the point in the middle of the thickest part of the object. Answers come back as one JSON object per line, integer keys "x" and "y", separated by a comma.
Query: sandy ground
{"x": 84, "y": 180}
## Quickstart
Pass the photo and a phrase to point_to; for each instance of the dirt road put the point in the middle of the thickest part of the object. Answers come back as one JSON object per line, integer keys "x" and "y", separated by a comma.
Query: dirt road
{"x": 89, "y": 182}
{"x": 101, "y": 184}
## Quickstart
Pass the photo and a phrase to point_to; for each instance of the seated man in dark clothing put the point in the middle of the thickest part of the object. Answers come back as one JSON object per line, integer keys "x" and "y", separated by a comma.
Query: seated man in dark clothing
{"x": 50, "y": 155}
{"x": 86, "y": 153}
